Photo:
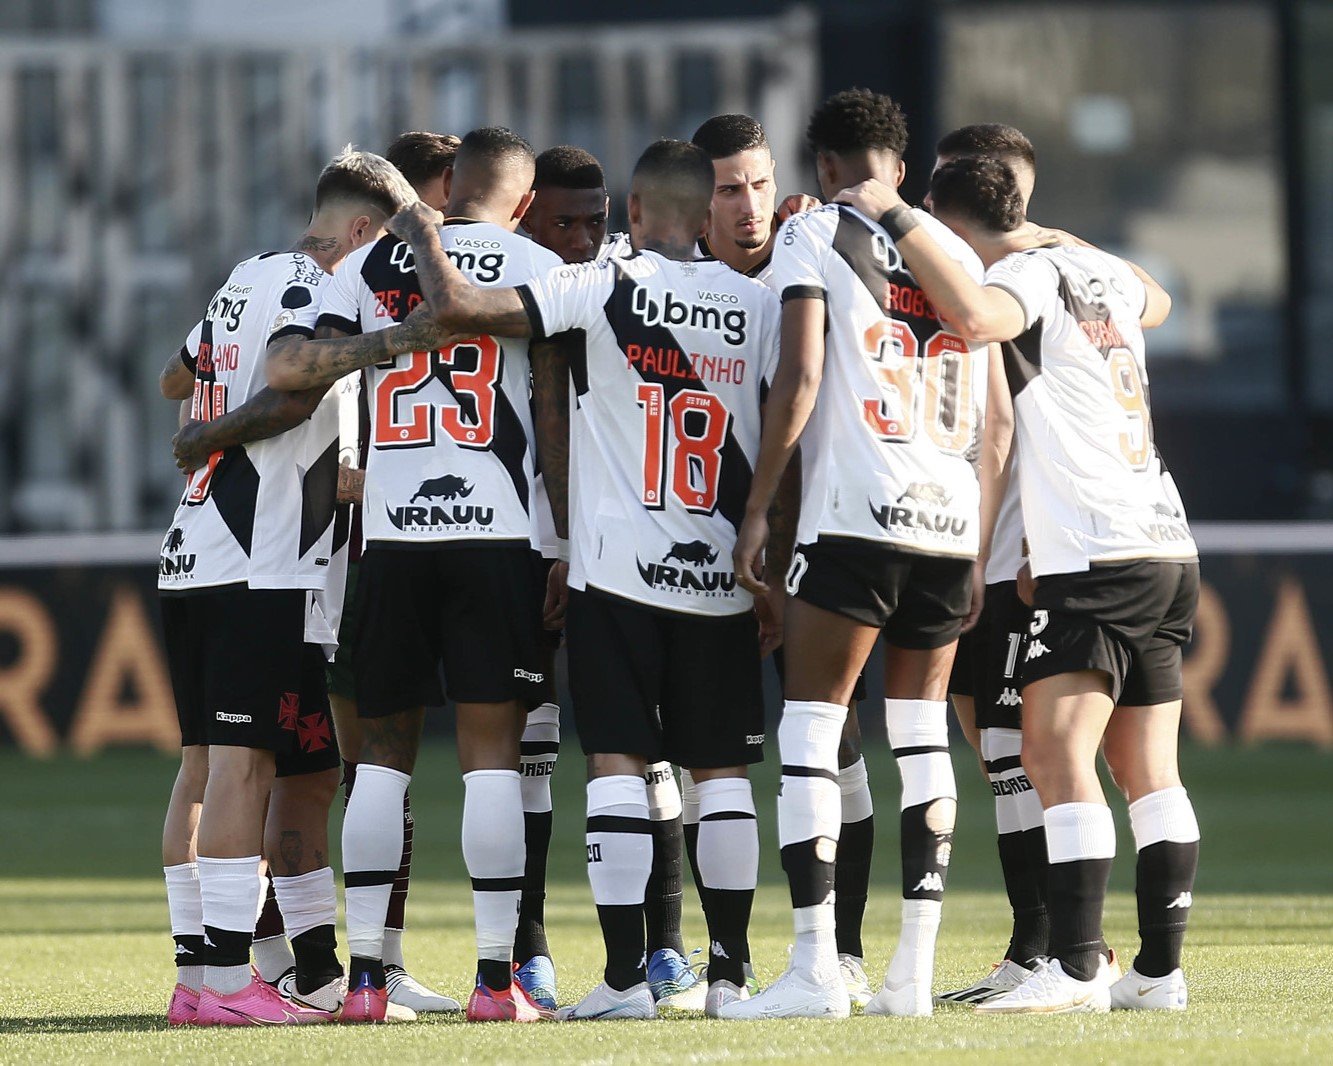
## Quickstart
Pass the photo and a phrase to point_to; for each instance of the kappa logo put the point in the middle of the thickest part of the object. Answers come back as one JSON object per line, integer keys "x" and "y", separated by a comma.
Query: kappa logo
{"x": 233, "y": 719}
{"x": 932, "y": 882}
{"x": 1183, "y": 902}
{"x": 1008, "y": 698}
{"x": 528, "y": 675}
{"x": 1036, "y": 650}
{"x": 695, "y": 553}
{"x": 754, "y": 739}
{"x": 717, "y": 951}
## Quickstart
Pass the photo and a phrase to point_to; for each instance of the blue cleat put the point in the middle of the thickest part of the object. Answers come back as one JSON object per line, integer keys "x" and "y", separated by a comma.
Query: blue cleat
{"x": 670, "y": 974}
{"x": 537, "y": 976}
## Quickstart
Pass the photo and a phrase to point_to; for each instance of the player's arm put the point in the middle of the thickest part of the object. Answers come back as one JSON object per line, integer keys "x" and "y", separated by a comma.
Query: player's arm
{"x": 993, "y": 467}
{"x": 550, "y": 414}
{"x": 264, "y": 415}
{"x": 176, "y": 379}
{"x": 297, "y": 364}
{"x": 790, "y": 401}
{"x": 1157, "y": 301}
{"x": 456, "y": 305}
{"x": 983, "y": 313}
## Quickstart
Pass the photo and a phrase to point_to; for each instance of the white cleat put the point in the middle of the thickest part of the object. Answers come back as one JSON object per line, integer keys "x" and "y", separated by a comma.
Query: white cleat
{"x": 722, "y": 994}
{"x": 329, "y": 998}
{"x": 795, "y": 994}
{"x": 1004, "y": 977}
{"x": 605, "y": 1003}
{"x": 693, "y": 999}
{"x": 1108, "y": 968}
{"x": 1136, "y": 992}
{"x": 911, "y": 999}
{"x": 406, "y": 991}
{"x": 853, "y": 972}
{"x": 1051, "y": 991}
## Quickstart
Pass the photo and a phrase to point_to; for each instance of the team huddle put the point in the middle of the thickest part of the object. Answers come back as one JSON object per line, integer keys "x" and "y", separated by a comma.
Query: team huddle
{"x": 458, "y": 423}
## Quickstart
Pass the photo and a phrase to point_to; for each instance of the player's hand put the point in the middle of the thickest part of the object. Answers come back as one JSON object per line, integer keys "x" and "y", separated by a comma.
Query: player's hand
{"x": 351, "y": 483}
{"x": 415, "y": 220}
{"x": 190, "y": 447}
{"x": 872, "y": 197}
{"x": 557, "y": 597}
{"x": 797, "y": 204}
{"x": 978, "y": 596}
{"x": 747, "y": 556}
{"x": 421, "y": 331}
{"x": 1027, "y": 584}
{"x": 771, "y": 610}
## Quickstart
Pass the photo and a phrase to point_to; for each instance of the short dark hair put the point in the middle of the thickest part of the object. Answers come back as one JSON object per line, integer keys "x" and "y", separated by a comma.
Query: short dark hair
{"x": 725, "y": 135}
{"x": 1006, "y": 143}
{"x": 568, "y": 167}
{"x": 422, "y": 156}
{"x": 363, "y": 178}
{"x": 678, "y": 176}
{"x": 493, "y": 145}
{"x": 980, "y": 189}
{"x": 857, "y": 120}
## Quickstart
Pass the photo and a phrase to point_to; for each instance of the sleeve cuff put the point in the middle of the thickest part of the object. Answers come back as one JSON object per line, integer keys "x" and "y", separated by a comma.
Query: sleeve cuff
{"x": 1028, "y": 319}
{"x": 292, "y": 331}
{"x": 342, "y": 325}
{"x": 533, "y": 311}
{"x": 562, "y": 550}
{"x": 803, "y": 292}
{"x": 191, "y": 363}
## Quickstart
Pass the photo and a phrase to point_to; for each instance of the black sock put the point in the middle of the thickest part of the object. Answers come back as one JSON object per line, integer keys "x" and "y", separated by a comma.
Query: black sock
{"x": 690, "y": 831}
{"x": 622, "y": 931}
{"x": 1164, "y": 885}
{"x": 925, "y": 852}
{"x": 226, "y": 947}
{"x": 728, "y": 915}
{"x": 851, "y": 879}
{"x": 1025, "y": 884}
{"x": 809, "y": 877}
{"x": 495, "y": 975}
{"x": 1077, "y": 896}
{"x": 359, "y": 967}
{"x": 316, "y": 952}
{"x": 190, "y": 950}
{"x": 530, "y": 936}
{"x": 662, "y": 896}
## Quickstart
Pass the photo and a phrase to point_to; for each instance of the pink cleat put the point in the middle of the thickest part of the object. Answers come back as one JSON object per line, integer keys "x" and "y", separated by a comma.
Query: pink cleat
{"x": 255, "y": 1004}
{"x": 365, "y": 1004}
{"x": 512, "y": 1005}
{"x": 183, "y": 1007}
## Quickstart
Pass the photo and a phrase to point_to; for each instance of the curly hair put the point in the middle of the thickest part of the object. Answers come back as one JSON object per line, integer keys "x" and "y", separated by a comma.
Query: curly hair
{"x": 979, "y": 189}
{"x": 1006, "y": 143}
{"x": 857, "y": 120}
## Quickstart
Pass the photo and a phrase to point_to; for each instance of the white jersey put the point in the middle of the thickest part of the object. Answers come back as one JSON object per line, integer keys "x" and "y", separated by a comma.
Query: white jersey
{"x": 618, "y": 246}
{"x": 887, "y": 453}
{"x": 1007, "y": 550}
{"x": 1094, "y": 486}
{"x": 451, "y": 444}
{"x": 259, "y": 514}
{"x": 665, "y": 424}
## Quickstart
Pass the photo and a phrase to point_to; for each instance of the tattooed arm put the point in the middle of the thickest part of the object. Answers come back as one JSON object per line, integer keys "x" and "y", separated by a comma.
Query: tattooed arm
{"x": 456, "y": 305}
{"x": 264, "y": 415}
{"x": 176, "y": 379}
{"x": 295, "y": 364}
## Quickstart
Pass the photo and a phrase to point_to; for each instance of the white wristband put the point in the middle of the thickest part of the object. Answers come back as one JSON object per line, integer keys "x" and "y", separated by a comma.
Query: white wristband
{"x": 562, "y": 549}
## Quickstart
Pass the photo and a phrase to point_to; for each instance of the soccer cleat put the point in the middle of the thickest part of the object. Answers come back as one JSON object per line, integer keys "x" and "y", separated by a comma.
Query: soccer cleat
{"x": 793, "y": 995}
{"x": 720, "y": 994}
{"x": 1051, "y": 991}
{"x": 1136, "y": 992}
{"x": 853, "y": 972}
{"x": 605, "y": 1003}
{"x": 365, "y": 1004}
{"x": 184, "y": 1006}
{"x": 258, "y": 1003}
{"x": 406, "y": 991}
{"x": 1004, "y": 977}
{"x": 513, "y": 1004}
{"x": 911, "y": 999}
{"x": 1108, "y": 968}
{"x": 327, "y": 999}
{"x": 751, "y": 981}
{"x": 692, "y": 1000}
{"x": 670, "y": 973}
{"x": 537, "y": 976}
{"x": 286, "y": 982}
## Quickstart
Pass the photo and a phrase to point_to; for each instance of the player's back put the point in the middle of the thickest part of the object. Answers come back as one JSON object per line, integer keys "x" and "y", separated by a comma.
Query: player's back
{"x": 261, "y": 512}
{"x": 886, "y": 454}
{"x": 451, "y": 452}
{"x": 1094, "y": 486}
{"x": 667, "y": 423}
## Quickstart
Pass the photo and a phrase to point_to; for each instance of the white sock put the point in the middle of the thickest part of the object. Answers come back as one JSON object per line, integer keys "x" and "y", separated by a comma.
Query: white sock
{"x": 854, "y": 784}
{"x": 540, "y": 749}
{"x": 393, "y": 948}
{"x": 273, "y": 957}
{"x": 1077, "y": 831}
{"x": 689, "y": 798}
{"x": 185, "y": 908}
{"x": 372, "y": 851}
{"x": 307, "y": 901}
{"x": 914, "y": 959}
{"x": 664, "y": 803}
{"x": 816, "y": 948}
{"x": 1017, "y": 806}
{"x": 728, "y": 835}
{"x": 620, "y": 843}
{"x": 492, "y": 825}
{"x": 229, "y": 891}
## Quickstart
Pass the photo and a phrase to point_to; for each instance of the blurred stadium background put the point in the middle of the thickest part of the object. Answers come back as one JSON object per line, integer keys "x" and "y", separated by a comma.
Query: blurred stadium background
{"x": 150, "y": 144}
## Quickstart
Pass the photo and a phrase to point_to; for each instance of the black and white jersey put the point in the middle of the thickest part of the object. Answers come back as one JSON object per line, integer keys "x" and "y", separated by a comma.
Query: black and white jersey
{"x": 665, "y": 425}
{"x": 1007, "y": 554}
{"x": 261, "y": 513}
{"x": 451, "y": 446}
{"x": 1094, "y": 487}
{"x": 887, "y": 453}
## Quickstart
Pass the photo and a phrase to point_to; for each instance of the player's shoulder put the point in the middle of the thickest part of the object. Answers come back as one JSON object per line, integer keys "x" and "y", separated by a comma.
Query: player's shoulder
{"x": 818, "y": 222}
{"x": 947, "y": 239}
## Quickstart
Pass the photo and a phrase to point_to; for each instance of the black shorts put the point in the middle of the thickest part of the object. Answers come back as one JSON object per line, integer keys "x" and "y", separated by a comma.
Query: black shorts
{"x": 476, "y": 609}
{"x": 998, "y": 644}
{"x": 1128, "y": 620}
{"x": 665, "y": 685}
{"x": 918, "y": 601}
{"x": 243, "y": 675}
{"x": 339, "y": 675}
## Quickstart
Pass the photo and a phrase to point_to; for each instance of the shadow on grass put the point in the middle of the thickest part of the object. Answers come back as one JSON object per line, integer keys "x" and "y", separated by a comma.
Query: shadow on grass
{"x": 84, "y": 1023}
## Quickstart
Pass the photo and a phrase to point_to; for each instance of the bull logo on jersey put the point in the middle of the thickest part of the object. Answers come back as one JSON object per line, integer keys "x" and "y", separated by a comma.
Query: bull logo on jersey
{"x": 447, "y": 487}
{"x": 926, "y": 492}
{"x": 695, "y": 553}
{"x": 671, "y": 311}
{"x": 692, "y": 578}
{"x": 172, "y": 563}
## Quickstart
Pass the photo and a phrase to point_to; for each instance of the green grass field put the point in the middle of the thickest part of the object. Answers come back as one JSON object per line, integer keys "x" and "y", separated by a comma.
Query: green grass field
{"x": 87, "y": 962}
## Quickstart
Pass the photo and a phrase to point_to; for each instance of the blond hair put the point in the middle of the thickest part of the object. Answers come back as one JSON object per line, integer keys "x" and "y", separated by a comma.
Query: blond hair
{"x": 366, "y": 178}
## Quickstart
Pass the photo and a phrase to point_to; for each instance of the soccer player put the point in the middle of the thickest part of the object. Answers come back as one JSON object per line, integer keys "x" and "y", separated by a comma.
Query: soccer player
{"x": 447, "y": 575}
{"x": 1116, "y": 571}
{"x": 883, "y": 398}
{"x": 664, "y": 649}
{"x": 569, "y": 216}
{"x": 742, "y": 229}
{"x": 250, "y": 540}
